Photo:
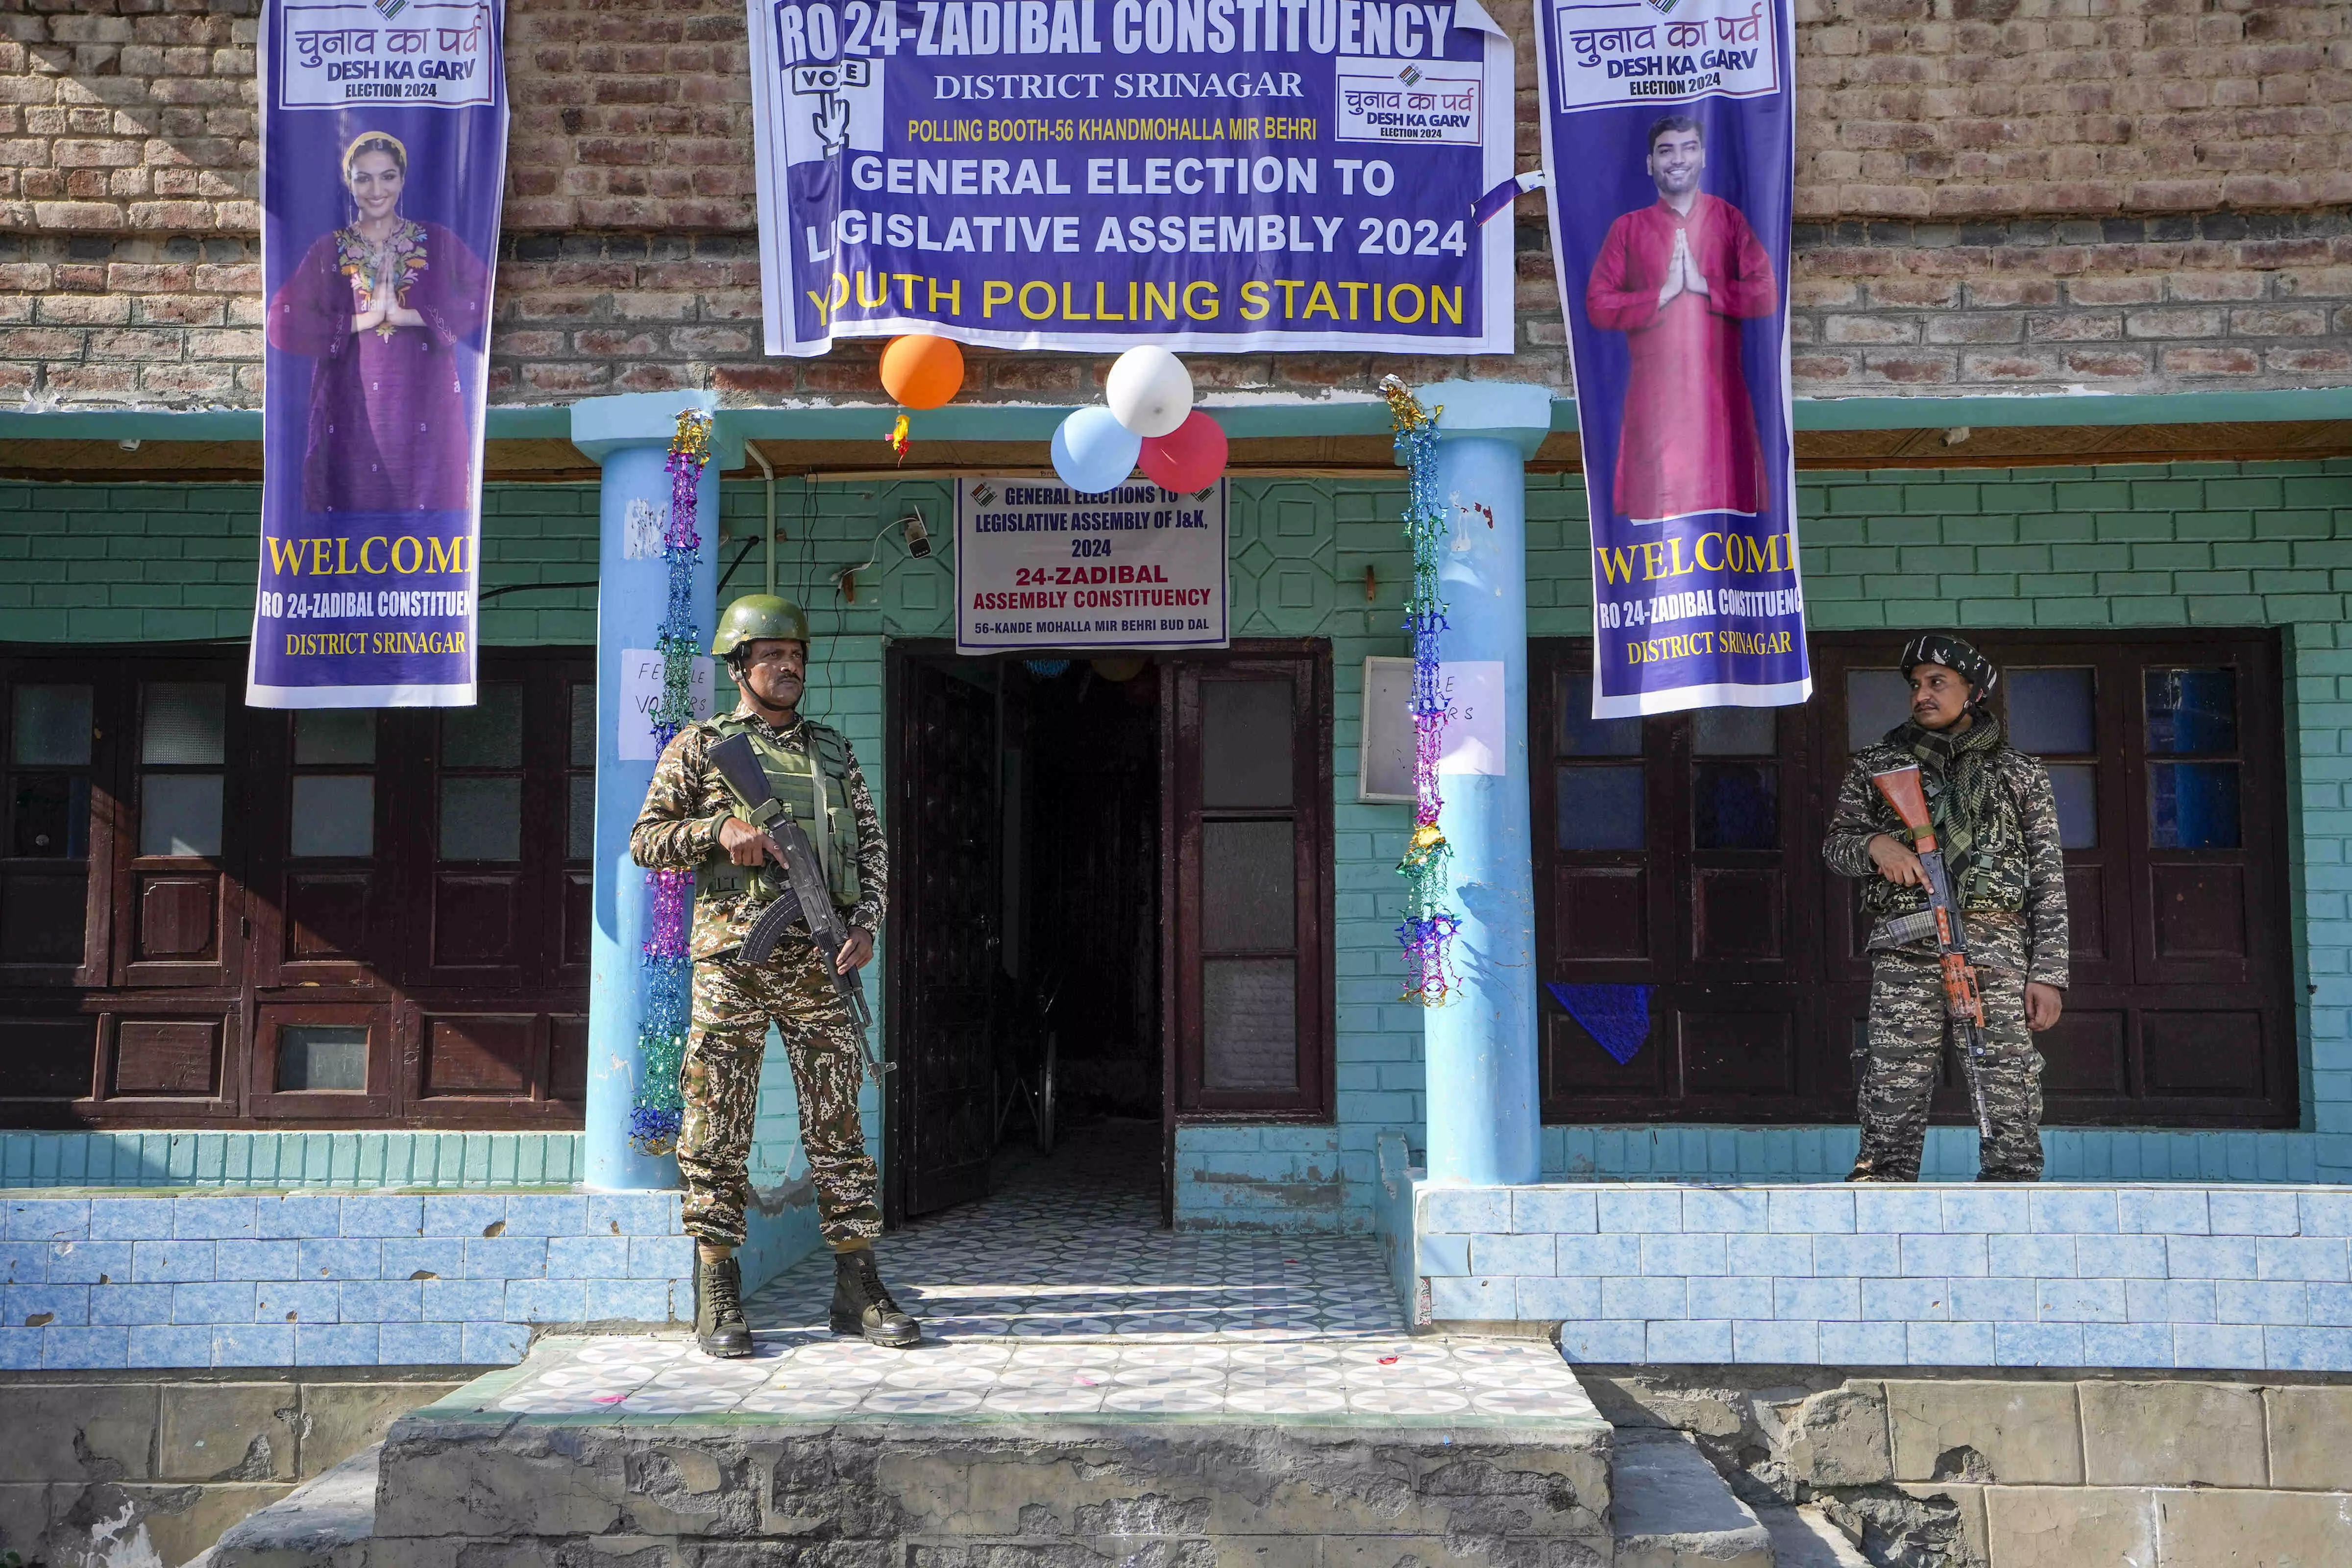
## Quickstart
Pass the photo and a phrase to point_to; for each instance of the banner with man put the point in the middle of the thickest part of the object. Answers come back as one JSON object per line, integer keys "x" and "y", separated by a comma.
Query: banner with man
{"x": 1669, "y": 138}
{"x": 1086, "y": 175}
{"x": 383, "y": 135}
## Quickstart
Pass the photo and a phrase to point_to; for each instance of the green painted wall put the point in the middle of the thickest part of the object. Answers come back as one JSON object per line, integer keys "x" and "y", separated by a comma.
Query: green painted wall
{"x": 122, "y": 563}
{"x": 2187, "y": 544}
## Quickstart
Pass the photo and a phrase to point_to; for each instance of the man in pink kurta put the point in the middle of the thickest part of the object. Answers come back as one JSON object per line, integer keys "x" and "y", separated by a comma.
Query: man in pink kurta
{"x": 1678, "y": 279}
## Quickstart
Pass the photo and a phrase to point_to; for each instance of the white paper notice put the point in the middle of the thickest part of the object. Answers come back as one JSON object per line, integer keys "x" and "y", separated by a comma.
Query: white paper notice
{"x": 1039, "y": 565}
{"x": 1473, "y": 740}
{"x": 641, "y": 688}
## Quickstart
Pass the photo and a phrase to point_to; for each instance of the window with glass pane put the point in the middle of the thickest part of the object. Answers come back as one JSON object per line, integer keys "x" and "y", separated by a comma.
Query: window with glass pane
{"x": 481, "y": 810}
{"x": 1735, "y": 805}
{"x": 1245, "y": 743}
{"x": 1875, "y": 701}
{"x": 1249, "y": 1023}
{"x": 1581, "y": 735}
{"x": 315, "y": 1058}
{"x": 183, "y": 727}
{"x": 49, "y": 750}
{"x": 1252, "y": 918}
{"x": 1601, "y": 807}
{"x": 2192, "y": 805}
{"x": 2053, "y": 715}
{"x": 328, "y": 736}
{"x": 580, "y": 809}
{"x": 332, "y": 814}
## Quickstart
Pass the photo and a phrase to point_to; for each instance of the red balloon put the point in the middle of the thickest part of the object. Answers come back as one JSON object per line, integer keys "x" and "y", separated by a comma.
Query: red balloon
{"x": 1189, "y": 457}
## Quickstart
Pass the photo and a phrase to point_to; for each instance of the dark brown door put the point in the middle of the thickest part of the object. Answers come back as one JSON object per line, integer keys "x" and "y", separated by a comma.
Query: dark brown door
{"x": 1671, "y": 854}
{"x": 943, "y": 919}
{"x": 211, "y": 914}
{"x": 2165, "y": 757}
{"x": 1248, "y": 791}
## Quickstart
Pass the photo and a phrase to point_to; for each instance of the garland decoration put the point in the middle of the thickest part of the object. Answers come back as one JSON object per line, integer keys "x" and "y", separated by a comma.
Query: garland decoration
{"x": 1428, "y": 927}
{"x": 655, "y": 1119}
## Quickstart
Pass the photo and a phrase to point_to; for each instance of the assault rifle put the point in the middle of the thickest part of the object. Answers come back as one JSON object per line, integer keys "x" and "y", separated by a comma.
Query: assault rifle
{"x": 1963, "y": 1005}
{"x": 803, "y": 897}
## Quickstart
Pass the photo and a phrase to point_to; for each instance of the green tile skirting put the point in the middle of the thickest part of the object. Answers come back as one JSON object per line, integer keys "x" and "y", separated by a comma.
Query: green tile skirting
{"x": 399, "y": 1159}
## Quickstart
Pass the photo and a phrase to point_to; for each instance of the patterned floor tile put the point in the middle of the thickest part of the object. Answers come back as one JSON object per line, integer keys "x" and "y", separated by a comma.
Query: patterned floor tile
{"x": 1060, "y": 1296}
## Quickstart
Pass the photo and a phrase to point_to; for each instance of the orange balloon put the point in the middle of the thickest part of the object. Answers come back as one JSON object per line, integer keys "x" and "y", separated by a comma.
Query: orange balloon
{"x": 921, "y": 371}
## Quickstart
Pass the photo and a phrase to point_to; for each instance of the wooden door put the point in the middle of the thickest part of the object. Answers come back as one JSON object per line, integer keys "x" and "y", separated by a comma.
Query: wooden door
{"x": 2164, "y": 753}
{"x": 1247, "y": 786}
{"x": 1671, "y": 854}
{"x": 944, "y": 910}
{"x": 181, "y": 869}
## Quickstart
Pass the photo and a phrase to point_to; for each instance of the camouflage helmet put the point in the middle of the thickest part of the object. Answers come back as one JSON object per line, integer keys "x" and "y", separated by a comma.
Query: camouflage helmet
{"x": 755, "y": 616}
{"x": 1956, "y": 653}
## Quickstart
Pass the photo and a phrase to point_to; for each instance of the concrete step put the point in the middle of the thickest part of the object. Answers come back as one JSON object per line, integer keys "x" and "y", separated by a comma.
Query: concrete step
{"x": 1674, "y": 1512}
{"x": 473, "y": 1477}
{"x": 323, "y": 1523}
{"x": 1802, "y": 1537}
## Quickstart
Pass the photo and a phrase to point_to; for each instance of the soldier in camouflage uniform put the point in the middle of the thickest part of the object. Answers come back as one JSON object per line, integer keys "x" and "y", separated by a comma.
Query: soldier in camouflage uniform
{"x": 693, "y": 822}
{"x": 1998, "y": 824}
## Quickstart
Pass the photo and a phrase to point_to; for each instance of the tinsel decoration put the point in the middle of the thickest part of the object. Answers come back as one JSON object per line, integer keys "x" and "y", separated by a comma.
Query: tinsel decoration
{"x": 661, "y": 1040}
{"x": 898, "y": 439}
{"x": 1428, "y": 929}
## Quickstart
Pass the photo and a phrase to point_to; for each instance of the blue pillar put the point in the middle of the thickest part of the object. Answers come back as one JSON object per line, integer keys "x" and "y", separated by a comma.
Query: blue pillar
{"x": 629, "y": 437}
{"x": 1480, "y": 1048}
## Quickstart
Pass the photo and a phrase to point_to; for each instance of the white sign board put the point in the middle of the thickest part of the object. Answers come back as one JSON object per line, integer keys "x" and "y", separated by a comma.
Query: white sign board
{"x": 1625, "y": 51}
{"x": 641, "y": 688}
{"x": 1385, "y": 747}
{"x": 1038, "y": 565}
{"x": 423, "y": 54}
{"x": 1473, "y": 740}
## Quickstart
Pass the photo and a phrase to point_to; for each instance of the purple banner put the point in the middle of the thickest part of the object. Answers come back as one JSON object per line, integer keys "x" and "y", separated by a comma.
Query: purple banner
{"x": 384, "y": 159}
{"x": 1668, "y": 132}
{"x": 1220, "y": 176}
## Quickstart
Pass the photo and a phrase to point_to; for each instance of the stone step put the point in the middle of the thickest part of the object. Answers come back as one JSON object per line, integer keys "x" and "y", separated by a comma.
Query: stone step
{"x": 1673, "y": 1511}
{"x": 471, "y": 1478}
{"x": 1803, "y": 1537}
{"x": 323, "y": 1523}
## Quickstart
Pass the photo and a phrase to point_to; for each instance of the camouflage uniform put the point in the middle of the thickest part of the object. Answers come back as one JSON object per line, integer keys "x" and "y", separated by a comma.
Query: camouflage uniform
{"x": 2008, "y": 876}
{"x": 735, "y": 1002}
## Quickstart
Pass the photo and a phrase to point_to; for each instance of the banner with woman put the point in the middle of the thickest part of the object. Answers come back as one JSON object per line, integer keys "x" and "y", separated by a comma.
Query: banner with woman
{"x": 1669, "y": 139}
{"x": 384, "y": 159}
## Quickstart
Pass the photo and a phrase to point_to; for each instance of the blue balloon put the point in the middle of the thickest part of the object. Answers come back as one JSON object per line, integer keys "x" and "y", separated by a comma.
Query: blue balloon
{"x": 1093, "y": 452}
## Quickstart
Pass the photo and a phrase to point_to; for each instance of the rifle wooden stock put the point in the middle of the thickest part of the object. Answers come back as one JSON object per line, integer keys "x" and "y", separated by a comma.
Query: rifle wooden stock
{"x": 1908, "y": 797}
{"x": 1963, "y": 1002}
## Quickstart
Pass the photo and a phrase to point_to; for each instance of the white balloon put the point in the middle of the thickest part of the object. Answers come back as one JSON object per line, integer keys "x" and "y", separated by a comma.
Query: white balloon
{"x": 1150, "y": 391}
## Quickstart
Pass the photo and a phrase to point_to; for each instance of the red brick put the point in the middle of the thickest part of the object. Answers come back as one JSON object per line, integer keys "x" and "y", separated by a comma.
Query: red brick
{"x": 2187, "y": 361}
{"x": 2105, "y": 363}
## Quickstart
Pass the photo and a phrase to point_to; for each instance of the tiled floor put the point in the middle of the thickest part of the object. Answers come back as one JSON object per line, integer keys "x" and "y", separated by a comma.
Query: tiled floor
{"x": 1061, "y": 1296}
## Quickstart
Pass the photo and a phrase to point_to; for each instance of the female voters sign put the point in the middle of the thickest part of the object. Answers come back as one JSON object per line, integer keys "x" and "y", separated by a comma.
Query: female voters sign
{"x": 1210, "y": 174}
{"x": 1668, "y": 125}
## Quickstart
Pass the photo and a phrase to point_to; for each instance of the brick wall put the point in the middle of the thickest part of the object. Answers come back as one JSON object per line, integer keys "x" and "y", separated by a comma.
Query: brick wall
{"x": 1999, "y": 145}
{"x": 2210, "y": 300}
{"x": 138, "y": 114}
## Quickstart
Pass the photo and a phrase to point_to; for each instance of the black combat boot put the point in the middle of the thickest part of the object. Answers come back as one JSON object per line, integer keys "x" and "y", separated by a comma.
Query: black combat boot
{"x": 862, "y": 1304}
{"x": 718, "y": 1326}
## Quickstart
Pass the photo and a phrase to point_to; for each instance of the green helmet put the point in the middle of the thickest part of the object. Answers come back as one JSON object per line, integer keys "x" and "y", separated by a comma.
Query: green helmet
{"x": 757, "y": 615}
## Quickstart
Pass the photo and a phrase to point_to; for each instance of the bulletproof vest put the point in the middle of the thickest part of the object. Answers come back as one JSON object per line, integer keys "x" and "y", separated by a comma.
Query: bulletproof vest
{"x": 811, "y": 786}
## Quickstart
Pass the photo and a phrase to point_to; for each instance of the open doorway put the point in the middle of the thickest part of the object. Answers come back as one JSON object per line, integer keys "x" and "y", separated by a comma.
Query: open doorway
{"x": 1026, "y": 920}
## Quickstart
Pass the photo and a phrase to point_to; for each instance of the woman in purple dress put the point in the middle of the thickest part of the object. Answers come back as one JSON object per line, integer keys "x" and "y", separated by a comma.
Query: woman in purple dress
{"x": 385, "y": 307}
